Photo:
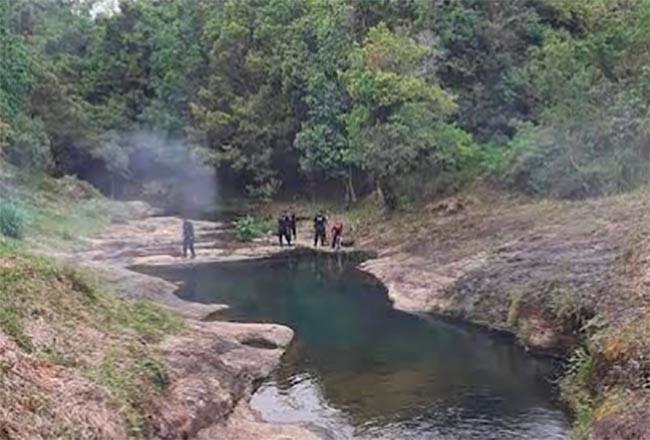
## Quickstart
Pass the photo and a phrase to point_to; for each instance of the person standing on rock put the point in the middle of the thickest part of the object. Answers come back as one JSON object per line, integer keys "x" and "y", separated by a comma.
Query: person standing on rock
{"x": 292, "y": 224}
{"x": 320, "y": 229}
{"x": 188, "y": 238}
{"x": 284, "y": 229}
{"x": 337, "y": 235}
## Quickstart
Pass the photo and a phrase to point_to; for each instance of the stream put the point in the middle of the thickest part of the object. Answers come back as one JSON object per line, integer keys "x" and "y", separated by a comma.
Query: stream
{"x": 362, "y": 370}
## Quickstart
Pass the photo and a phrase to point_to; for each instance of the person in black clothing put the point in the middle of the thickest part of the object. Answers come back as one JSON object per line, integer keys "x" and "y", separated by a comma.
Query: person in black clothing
{"x": 320, "y": 229}
{"x": 292, "y": 224}
{"x": 188, "y": 238}
{"x": 284, "y": 231}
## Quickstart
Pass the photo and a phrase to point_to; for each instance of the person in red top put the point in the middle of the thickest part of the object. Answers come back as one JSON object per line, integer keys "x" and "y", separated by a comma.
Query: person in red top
{"x": 337, "y": 235}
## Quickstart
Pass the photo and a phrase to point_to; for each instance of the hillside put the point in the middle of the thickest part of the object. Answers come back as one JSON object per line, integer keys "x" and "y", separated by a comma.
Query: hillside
{"x": 569, "y": 278}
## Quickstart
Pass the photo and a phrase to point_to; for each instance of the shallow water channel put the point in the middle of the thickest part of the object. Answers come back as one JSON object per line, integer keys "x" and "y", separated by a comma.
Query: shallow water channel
{"x": 363, "y": 370}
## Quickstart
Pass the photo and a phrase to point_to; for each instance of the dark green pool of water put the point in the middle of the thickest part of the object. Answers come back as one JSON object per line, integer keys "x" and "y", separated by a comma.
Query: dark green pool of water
{"x": 365, "y": 371}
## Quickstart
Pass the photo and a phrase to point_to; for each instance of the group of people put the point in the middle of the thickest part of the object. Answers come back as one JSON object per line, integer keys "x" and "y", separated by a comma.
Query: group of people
{"x": 287, "y": 230}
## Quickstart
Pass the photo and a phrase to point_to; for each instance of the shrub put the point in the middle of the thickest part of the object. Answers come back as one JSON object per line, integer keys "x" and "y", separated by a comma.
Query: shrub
{"x": 581, "y": 364}
{"x": 575, "y": 387}
{"x": 265, "y": 191}
{"x": 4, "y": 134}
{"x": 248, "y": 228}
{"x": 28, "y": 144}
{"x": 12, "y": 220}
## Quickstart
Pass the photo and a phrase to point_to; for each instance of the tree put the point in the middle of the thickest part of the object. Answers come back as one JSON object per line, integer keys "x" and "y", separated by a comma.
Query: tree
{"x": 28, "y": 144}
{"x": 244, "y": 113}
{"x": 398, "y": 108}
{"x": 322, "y": 141}
{"x": 279, "y": 92}
{"x": 17, "y": 66}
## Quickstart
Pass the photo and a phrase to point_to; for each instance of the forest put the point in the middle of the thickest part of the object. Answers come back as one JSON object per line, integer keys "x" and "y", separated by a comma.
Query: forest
{"x": 411, "y": 98}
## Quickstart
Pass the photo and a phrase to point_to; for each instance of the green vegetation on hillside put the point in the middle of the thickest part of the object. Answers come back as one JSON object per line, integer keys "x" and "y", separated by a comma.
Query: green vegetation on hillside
{"x": 49, "y": 213}
{"x": 78, "y": 361}
{"x": 61, "y": 320}
{"x": 409, "y": 97}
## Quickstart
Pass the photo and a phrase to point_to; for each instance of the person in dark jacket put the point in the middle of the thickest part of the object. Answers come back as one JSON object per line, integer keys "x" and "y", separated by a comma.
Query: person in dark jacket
{"x": 188, "y": 238}
{"x": 284, "y": 229}
{"x": 320, "y": 229}
{"x": 292, "y": 225}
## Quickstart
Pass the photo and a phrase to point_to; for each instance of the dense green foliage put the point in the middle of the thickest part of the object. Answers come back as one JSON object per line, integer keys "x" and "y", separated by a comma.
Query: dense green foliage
{"x": 410, "y": 97}
{"x": 248, "y": 228}
{"x": 12, "y": 220}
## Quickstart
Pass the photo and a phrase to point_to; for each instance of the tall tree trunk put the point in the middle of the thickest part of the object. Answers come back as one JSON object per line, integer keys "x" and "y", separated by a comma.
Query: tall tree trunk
{"x": 350, "y": 193}
{"x": 387, "y": 194}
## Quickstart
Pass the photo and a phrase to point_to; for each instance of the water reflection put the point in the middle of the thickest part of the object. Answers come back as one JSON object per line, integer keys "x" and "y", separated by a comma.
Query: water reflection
{"x": 366, "y": 371}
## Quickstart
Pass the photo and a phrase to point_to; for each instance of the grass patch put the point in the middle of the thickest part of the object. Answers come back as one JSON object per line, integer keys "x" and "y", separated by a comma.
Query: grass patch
{"x": 147, "y": 319}
{"x": 11, "y": 325}
{"x": 33, "y": 286}
{"x": 248, "y": 228}
{"x": 55, "y": 213}
{"x": 584, "y": 419}
{"x": 576, "y": 390}
{"x": 12, "y": 220}
{"x": 66, "y": 317}
{"x": 134, "y": 377}
{"x": 60, "y": 316}
{"x": 514, "y": 309}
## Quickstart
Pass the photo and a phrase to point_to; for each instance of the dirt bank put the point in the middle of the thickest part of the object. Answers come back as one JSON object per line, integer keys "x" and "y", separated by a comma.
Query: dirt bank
{"x": 557, "y": 275}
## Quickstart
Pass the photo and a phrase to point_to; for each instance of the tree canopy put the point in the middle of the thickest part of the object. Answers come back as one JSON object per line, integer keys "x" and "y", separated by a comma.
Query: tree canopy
{"x": 410, "y": 97}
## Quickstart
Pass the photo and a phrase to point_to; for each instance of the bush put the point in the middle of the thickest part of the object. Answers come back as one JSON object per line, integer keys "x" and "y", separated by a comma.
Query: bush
{"x": 248, "y": 228}
{"x": 265, "y": 191}
{"x": 28, "y": 144}
{"x": 4, "y": 134}
{"x": 12, "y": 220}
{"x": 604, "y": 154}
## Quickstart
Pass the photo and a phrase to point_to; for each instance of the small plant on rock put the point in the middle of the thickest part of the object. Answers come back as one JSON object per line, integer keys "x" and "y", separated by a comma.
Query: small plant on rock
{"x": 248, "y": 228}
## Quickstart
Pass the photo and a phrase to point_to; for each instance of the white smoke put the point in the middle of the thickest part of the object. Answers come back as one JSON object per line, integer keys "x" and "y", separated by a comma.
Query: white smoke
{"x": 177, "y": 171}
